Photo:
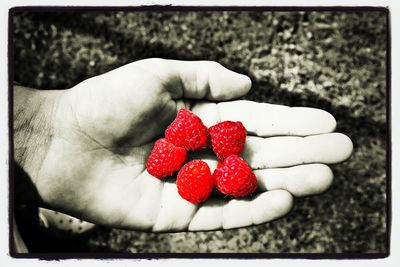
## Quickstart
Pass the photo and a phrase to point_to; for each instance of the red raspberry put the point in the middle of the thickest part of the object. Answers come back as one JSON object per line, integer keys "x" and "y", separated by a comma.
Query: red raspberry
{"x": 227, "y": 138}
{"x": 165, "y": 159}
{"x": 195, "y": 181}
{"x": 188, "y": 131}
{"x": 234, "y": 177}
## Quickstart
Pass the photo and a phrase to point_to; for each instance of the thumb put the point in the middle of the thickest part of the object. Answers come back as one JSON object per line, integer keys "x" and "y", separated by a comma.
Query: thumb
{"x": 197, "y": 79}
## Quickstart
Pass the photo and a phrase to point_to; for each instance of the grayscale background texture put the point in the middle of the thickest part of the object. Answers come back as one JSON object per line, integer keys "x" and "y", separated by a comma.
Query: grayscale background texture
{"x": 330, "y": 60}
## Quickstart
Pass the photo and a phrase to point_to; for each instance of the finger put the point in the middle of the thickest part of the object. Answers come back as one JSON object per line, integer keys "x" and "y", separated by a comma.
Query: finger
{"x": 206, "y": 155}
{"x": 222, "y": 214}
{"x": 284, "y": 151}
{"x": 176, "y": 214}
{"x": 197, "y": 79}
{"x": 264, "y": 119}
{"x": 300, "y": 181}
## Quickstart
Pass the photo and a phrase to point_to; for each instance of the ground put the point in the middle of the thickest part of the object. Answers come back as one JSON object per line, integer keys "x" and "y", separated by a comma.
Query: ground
{"x": 335, "y": 61}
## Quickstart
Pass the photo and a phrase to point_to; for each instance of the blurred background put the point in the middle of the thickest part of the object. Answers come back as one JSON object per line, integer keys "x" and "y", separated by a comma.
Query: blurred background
{"x": 335, "y": 61}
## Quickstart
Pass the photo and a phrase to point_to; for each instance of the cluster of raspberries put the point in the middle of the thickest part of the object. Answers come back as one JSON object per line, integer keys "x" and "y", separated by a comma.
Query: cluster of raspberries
{"x": 194, "y": 181}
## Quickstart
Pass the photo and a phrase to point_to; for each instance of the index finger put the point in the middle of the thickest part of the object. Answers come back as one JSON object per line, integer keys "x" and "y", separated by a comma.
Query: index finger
{"x": 262, "y": 119}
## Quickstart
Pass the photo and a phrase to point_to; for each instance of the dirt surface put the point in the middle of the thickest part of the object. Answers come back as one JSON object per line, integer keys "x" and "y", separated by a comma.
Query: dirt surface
{"x": 330, "y": 60}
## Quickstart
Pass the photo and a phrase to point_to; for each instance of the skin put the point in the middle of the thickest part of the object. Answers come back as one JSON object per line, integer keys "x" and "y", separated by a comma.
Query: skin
{"x": 84, "y": 149}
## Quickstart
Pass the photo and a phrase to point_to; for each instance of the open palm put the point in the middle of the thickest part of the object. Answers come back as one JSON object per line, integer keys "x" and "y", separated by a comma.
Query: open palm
{"x": 105, "y": 128}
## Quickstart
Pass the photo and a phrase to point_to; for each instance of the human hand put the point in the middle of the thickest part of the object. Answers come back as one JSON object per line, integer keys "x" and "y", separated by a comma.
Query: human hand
{"x": 98, "y": 134}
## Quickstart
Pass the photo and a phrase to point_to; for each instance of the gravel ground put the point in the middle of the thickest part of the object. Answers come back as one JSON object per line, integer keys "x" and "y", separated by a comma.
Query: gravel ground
{"x": 330, "y": 60}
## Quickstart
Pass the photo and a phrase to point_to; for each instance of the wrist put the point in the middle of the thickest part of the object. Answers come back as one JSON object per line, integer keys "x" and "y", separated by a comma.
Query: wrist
{"x": 33, "y": 124}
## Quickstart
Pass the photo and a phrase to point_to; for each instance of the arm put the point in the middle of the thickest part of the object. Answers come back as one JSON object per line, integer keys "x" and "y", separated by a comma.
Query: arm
{"x": 33, "y": 130}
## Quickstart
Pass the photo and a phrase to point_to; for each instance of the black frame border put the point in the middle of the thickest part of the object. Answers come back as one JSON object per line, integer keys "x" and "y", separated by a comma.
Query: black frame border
{"x": 242, "y": 256}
